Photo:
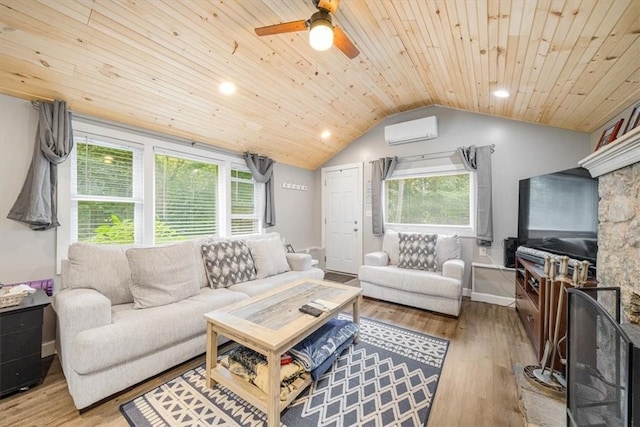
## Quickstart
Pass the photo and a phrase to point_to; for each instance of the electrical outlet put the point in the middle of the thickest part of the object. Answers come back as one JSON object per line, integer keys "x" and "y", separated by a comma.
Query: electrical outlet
{"x": 483, "y": 251}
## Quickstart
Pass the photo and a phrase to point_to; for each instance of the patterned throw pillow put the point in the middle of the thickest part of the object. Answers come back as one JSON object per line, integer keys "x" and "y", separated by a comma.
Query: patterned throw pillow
{"x": 418, "y": 251}
{"x": 227, "y": 262}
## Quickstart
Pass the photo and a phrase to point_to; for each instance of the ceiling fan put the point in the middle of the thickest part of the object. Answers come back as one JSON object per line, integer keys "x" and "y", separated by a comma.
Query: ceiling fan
{"x": 322, "y": 33}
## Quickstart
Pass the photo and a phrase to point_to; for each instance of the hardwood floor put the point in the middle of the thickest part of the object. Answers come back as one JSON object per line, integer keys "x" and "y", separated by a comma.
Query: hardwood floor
{"x": 477, "y": 387}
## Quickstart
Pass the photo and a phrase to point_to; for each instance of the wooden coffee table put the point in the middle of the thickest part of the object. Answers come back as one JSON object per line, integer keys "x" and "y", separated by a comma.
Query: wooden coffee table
{"x": 271, "y": 324}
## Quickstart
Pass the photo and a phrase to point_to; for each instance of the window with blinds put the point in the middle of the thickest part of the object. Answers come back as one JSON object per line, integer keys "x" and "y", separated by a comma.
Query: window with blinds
{"x": 186, "y": 198}
{"x": 244, "y": 215}
{"x": 106, "y": 192}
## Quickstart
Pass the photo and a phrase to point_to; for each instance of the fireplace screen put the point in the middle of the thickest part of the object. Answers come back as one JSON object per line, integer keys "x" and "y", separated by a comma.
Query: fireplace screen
{"x": 599, "y": 361}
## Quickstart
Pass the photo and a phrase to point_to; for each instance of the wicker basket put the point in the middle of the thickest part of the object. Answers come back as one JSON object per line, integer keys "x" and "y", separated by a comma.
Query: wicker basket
{"x": 9, "y": 300}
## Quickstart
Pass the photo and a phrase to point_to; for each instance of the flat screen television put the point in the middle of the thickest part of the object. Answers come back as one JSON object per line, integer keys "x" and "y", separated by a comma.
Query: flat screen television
{"x": 558, "y": 213}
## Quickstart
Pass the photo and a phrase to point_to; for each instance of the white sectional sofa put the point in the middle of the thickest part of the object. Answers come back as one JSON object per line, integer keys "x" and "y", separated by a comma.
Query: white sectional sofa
{"x": 107, "y": 341}
{"x": 439, "y": 290}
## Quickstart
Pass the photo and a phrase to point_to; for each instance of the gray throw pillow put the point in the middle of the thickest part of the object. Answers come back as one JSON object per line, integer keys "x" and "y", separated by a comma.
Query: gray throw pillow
{"x": 418, "y": 251}
{"x": 227, "y": 262}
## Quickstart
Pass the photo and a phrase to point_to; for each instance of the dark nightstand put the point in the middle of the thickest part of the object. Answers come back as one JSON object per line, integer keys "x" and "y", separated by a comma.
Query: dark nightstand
{"x": 21, "y": 343}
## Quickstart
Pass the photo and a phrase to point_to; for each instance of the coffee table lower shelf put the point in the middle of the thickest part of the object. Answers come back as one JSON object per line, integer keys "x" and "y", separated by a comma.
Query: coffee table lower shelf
{"x": 250, "y": 392}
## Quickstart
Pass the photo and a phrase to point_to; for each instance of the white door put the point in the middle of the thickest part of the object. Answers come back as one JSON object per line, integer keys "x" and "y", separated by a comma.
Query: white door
{"x": 342, "y": 209}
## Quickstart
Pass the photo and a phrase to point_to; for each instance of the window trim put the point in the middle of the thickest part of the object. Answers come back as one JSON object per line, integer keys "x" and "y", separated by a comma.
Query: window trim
{"x": 432, "y": 171}
{"x": 150, "y": 144}
{"x": 258, "y": 191}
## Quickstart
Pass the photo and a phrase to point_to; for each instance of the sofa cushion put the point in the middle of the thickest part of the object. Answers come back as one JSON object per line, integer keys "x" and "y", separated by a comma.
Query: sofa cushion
{"x": 135, "y": 333}
{"x": 103, "y": 268}
{"x": 227, "y": 262}
{"x": 416, "y": 281}
{"x": 269, "y": 256}
{"x": 299, "y": 262}
{"x": 418, "y": 251}
{"x": 447, "y": 247}
{"x": 163, "y": 274}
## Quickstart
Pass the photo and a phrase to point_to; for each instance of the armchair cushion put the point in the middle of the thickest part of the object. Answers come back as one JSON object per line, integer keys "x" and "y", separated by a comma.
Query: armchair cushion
{"x": 391, "y": 245}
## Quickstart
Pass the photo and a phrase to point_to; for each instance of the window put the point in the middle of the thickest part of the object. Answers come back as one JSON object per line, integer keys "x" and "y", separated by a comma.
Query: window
{"x": 442, "y": 199}
{"x": 106, "y": 195}
{"x": 186, "y": 198}
{"x": 133, "y": 188}
{"x": 244, "y": 215}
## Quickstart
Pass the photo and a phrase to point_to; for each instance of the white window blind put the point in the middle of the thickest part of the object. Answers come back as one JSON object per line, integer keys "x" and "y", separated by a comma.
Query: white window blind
{"x": 186, "y": 194}
{"x": 106, "y": 192}
{"x": 244, "y": 215}
{"x": 430, "y": 199}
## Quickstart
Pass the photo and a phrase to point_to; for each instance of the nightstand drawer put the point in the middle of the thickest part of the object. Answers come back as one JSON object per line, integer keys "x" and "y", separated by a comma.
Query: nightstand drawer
{"x": 20, "y": 373}
{"x": 25, "y": 319}
{"x": 20, "y": 343}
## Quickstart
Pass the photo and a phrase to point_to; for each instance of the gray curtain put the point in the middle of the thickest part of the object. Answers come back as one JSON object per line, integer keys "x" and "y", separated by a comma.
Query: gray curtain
{"x": 262, "y": 170}
{"x": 36, "y": 204}
{"x": 380, "y": 170}
{"x": 478, "y": 159}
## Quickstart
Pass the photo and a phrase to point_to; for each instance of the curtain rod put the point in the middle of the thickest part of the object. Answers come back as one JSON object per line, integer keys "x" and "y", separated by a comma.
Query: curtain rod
{"x": 427, "y": 156}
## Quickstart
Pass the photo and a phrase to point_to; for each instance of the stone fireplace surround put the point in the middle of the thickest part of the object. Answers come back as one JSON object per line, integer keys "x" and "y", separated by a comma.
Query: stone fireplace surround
{"x": 617, "y": 167}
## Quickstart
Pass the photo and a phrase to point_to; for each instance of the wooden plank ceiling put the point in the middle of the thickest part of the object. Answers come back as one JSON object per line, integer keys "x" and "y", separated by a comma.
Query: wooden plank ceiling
{"x": 157, "y": 64}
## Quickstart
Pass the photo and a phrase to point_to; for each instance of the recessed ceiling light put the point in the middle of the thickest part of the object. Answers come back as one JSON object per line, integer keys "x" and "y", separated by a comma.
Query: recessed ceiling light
{"x": 227, "y": 88}
{"x": 325, "y": 134}
{"x": 501, "y": 93}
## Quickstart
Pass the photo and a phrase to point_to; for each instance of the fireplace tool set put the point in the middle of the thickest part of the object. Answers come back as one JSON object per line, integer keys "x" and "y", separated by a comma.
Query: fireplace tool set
{"x": 556, "y": 272}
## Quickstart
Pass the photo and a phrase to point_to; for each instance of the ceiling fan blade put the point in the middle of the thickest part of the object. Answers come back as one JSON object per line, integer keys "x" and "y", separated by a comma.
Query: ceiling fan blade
{"x": 342, "y": 42}
{"x": 328, "y": 5}
{"x": 287, "y": 27}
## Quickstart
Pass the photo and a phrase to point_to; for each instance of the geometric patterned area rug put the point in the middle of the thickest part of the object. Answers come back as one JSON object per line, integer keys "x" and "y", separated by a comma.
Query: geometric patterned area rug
{"x": 389, "y": 378}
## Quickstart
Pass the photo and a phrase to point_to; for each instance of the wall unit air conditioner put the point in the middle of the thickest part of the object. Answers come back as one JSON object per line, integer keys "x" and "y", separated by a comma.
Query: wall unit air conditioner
{"x": 415, "y": 130}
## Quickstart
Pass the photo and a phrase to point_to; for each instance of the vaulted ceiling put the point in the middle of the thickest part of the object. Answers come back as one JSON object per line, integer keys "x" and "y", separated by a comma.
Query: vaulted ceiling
{"x": 157, "y": 64}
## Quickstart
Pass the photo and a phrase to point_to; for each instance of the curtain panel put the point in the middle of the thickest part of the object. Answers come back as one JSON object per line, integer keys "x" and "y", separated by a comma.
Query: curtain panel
{"x": 262, "y": 171}
{"x": 478, "y": 160}
{"x": 36, "y": 204}
{"x": 381, "y": 169}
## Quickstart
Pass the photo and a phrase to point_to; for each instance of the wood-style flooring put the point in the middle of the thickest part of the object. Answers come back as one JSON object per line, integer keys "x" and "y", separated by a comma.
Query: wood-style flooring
{"x": 477, "y": 387}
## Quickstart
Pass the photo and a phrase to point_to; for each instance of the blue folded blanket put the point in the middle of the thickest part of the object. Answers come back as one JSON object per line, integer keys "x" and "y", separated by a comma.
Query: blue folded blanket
{"x": 317, "y": 347}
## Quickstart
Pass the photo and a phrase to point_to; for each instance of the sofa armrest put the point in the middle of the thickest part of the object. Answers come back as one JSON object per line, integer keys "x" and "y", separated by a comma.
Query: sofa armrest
{"x": 299, "y": 262}
{"x": 78, "y": 310}
{"x": 453, "y": 268}
{"x": 379, "y": 258}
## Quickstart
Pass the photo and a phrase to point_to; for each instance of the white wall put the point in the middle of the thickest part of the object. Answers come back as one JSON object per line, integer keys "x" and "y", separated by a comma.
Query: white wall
{"x": 521, "y": 150}
{"x": 24, "y": 254}
{"x": 295, "y": 213}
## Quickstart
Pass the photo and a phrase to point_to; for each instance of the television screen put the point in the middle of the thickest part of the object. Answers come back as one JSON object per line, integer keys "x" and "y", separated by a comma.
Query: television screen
{"x": 558, "y": 213}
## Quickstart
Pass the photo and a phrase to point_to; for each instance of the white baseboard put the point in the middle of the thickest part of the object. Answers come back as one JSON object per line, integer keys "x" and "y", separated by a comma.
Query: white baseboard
{"x": 466, "y": 292}
{"x": 48, "y": 348}
{"x": 492, "y": 299}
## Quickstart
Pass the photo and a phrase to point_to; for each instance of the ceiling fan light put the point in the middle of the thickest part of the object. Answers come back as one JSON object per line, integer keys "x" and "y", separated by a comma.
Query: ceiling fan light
{"x": 321, "y": 34}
